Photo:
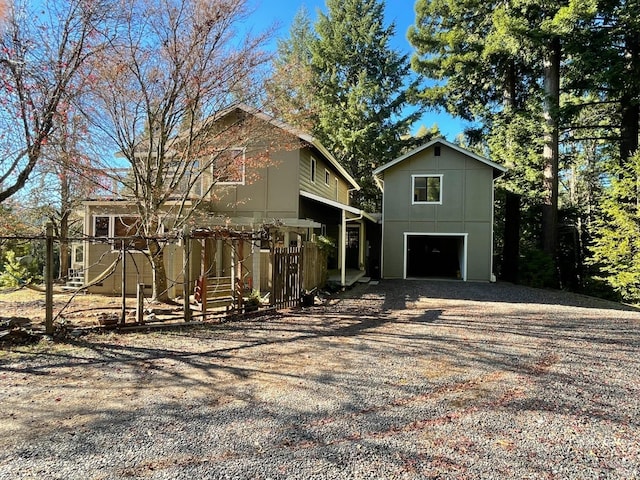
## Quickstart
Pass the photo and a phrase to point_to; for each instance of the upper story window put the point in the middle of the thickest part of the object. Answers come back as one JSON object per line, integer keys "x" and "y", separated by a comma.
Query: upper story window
{"x": 229, "y": 167}
{"x": 327, "y": 176}
{"x": 313, "y": 169}
{"x": 186, "y": 180}
{"x": 427, "y": 189}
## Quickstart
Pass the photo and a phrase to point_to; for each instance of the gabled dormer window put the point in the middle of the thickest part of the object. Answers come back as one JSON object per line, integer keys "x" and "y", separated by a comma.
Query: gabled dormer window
{"x": 427, "y": 189}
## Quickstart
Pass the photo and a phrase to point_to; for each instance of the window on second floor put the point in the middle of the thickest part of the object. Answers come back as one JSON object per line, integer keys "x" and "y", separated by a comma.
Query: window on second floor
{"x": 229, "y": 167}
{"x": 313, "y": 169}
{"x": 185, "y": 180}
{"x": 327, "y": 176}
{"x": 427, "y": 189}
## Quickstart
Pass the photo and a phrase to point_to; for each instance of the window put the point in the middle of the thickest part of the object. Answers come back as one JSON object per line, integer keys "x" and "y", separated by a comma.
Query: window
{"x": 427, "y": 188}
{"x": 101, "y": 227}
{"x": 187, "y": 180}
{"x": 313, "y": 169}
{"x": 78, "y": 254}
{"x": 436, "y": 150}
{"x": 128, "y": 227}
{"x": 229, "y": 167}
{"x": 327, "y": 176}
{"x": 120, "y": 226}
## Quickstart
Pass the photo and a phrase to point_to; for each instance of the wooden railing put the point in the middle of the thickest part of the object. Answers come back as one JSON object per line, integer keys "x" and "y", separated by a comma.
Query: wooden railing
{"x": 214, "y": 293}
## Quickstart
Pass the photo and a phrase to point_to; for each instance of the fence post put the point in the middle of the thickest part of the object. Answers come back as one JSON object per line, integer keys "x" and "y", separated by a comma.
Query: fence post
{"x": 123, "y": 287}
{"x": 186, "y": 287}
{"x": 48, "y": 273}
{"x": 140, "y": 303}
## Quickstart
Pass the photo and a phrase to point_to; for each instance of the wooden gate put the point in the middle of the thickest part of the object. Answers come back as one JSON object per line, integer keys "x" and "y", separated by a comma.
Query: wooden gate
{"x": 287, "y": 277}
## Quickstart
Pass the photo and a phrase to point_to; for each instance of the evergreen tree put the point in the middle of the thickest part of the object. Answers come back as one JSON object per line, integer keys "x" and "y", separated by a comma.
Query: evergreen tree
{"x": 362, "y": 89}
{"x": 499, "y": 63}
{"x": 616, "y": 248}
{"x": 290, "y": 90}
{"x": 349, "y": 87}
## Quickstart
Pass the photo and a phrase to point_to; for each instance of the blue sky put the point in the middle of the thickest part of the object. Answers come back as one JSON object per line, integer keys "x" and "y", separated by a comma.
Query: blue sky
{"x": 281, "y": 13}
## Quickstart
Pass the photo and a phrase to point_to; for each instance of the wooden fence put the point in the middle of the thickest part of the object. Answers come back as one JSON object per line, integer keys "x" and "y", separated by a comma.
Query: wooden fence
{"x": 314, "y": 267}
{"x": 286, "y": 286}
{"x": 296, "y": 271}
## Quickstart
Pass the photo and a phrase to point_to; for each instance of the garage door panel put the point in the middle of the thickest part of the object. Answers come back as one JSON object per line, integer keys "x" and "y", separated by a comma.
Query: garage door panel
{"x": 435, "y": 256}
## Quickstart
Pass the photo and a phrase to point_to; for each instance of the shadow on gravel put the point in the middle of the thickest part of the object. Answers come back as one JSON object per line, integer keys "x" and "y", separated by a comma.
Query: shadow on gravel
{"x": 404, "y": 291}
{"x": 377, "y": 379}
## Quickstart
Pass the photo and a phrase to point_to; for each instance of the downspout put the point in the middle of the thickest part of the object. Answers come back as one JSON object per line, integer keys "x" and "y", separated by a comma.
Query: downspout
{"x": 343, "y": 250}
{"x": 380, "y": 184}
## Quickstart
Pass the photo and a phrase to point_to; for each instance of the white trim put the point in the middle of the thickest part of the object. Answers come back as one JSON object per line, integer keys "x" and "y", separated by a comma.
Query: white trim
{"x": 313, "y": 170}
{"x": 465, "y": 246}
{"x": 441, "y": 141}
{"x": 413, "y": 188}
{"x": 339, "y": 205}
{"x": 327, "y": 176}
{"x": 111, "y": 234}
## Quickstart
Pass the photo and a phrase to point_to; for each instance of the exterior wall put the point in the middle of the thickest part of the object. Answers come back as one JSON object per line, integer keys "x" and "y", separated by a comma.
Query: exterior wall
{"x": 336, "y": 189}
{"x": 467, "y": 207}
{"x": 270, "y": 192}
{"x": 98, "y": 257}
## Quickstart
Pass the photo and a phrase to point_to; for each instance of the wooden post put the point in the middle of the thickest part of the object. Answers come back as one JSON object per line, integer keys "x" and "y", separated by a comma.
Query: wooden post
{"x": 48, "y": 273}
{"x": 123, "y": 287}
{"x": 186, "y": 287}
{"x": 140, "y": 303}
{"x": 238, "y": 268}
{"x": 203, "y": 296}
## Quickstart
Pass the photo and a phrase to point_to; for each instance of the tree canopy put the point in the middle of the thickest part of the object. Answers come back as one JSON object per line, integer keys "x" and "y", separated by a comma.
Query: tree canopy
{"x": 356, "y": 90}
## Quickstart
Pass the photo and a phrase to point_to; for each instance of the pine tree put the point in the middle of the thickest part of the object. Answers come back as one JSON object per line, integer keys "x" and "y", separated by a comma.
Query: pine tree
{"x": 363, "y": 87}
{"x": 290, "y": 89}
{"x": 349, "y": 87}
{"x": 616, "y": 248}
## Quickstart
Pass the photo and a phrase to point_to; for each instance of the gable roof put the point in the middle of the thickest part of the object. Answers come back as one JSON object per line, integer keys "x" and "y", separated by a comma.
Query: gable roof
{"x": 498, "y": 170}
{"x": 305, "y": 137}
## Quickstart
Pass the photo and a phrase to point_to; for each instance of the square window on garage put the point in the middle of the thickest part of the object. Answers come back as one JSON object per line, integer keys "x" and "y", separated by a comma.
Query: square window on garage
{"x": 427, "y": 188}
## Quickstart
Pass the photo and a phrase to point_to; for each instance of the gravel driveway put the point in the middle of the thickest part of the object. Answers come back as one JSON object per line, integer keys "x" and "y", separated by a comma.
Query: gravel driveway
{"x": 401, "y": 380}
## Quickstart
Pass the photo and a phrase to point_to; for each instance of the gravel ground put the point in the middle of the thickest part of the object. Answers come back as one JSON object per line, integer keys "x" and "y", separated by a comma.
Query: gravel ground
{"x": 401, "y": 380}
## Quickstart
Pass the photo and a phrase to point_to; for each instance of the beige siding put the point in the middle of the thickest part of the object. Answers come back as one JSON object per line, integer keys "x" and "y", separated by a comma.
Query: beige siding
{"x": 270, "y": 192}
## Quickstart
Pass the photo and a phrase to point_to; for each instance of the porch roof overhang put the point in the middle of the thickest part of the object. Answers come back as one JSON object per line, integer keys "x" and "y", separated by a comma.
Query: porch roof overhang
{"x": 341, "y": 206}
{"x": 253, "y": 222}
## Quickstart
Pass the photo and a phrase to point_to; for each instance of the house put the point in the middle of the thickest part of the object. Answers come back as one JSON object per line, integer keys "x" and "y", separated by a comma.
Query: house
{"x": 301, "y": 192}
{"x": 437, "y": 213}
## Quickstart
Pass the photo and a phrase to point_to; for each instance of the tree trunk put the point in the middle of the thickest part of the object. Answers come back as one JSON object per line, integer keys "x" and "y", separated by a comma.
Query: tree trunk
{"x": 629, "y": 128}
{"x": 65, "y": 259}
{"x": 65, "y": 212}
{"x": 551, "y": 148}
{"x": 629, "y": 103}
{"x": 159, "y": 273}
{"x": 511, "y": 247}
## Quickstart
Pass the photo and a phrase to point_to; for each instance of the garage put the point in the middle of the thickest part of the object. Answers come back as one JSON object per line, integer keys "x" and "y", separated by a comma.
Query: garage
{"x": 438, "y": 255}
